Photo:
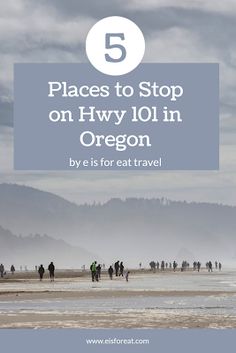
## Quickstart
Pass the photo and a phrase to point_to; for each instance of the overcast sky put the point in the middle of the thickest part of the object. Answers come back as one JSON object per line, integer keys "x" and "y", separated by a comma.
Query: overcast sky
{"x": 175, "y": 31}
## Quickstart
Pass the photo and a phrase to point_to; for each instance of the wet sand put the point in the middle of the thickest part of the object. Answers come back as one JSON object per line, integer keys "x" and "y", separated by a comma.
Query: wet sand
{"x": 32, "y": 295}
{"x": 147, "y": 301}
{"x": 138, "y": 319}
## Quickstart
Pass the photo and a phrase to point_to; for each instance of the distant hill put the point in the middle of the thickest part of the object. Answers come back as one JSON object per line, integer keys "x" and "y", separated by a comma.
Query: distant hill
{"x": 26, "y": 209}
{"x": 133, "y": 229}
{"x": 35, "y": 249}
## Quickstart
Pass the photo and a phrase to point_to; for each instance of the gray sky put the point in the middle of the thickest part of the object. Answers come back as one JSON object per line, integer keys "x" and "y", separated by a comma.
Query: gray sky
{"x": 175, "y": 31}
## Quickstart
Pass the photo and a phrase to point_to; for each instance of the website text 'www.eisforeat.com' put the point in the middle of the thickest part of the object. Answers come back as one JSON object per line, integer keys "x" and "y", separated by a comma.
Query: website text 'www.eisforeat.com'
{"x": 117, "y": 341}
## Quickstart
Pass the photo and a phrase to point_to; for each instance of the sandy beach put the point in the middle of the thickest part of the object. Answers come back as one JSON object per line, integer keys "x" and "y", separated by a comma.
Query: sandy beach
{"x": 148, "y": 300}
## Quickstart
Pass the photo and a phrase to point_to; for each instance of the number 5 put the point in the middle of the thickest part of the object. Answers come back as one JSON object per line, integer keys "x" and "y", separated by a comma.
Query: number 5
{"x": 108, "y": 45}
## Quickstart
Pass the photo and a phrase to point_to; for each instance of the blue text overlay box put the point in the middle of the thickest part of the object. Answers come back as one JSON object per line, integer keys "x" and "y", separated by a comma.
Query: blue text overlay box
{"x": 158, "y": 117}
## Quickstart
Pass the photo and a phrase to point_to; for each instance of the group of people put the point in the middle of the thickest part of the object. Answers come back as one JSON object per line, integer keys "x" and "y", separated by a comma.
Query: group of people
{"x": 41, "y": 271}
{"x": 197, "y": 266}
{"x": 209, "y": 266}
{"x": 95, "y": 271}
{"x": 51, "y": 269}
{"x": 118, "y": 269}
{"x": 3, "y": 272}
{"x": 184, "y": 266}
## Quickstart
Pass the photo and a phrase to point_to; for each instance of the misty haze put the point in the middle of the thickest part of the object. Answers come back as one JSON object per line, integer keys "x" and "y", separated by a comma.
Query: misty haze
{"x": 37, "y": 226}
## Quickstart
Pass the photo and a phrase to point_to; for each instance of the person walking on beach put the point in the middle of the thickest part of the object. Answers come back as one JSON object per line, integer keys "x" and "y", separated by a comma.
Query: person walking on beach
{"x": 98, "y": 272}
{"x": 152, "y": 264}
{"x": 162, "y": 265}
{"x": 12, "y": 269}
{"x": 174, "y": 265}
{"x": 220, "y": 266}
{"x": 127, "y": 276}
{"x": 198, "y": 266}
{"x": 93, "y": 270}
{"x": 210, "y": 266}
{"x": 117, "y": 266}
{"x": 121, "y": 269}
{"x": 110, "y": 272}
{"x": 2, "y": 269}
{"x": 41, "y": 272}
{"x": 51, "y": 269}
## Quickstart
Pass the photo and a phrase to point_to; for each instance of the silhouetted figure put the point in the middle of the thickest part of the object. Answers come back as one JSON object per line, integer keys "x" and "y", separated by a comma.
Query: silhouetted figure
{"x": 220, "y": 266}
{"x": 194, "y": 265}
{"x": 93, "y": 270}
{"x": 2, "y": 269}
{"x": 198, "y": 266}
{"x": 98, "y": 272}
{"x": 162, "y": 265}
{"x": 158, "y": 265}
{"x": 216, "y": 264}
{"x": 184, "y": 266}
{"x": 175, "y": 265}
{"x": 12, "y": 269}
{"x": 140, "y": 265}
{"x": 166, "y": 264}
{"x": 121, "y": 269}
{"x": 210, "y": 266}
{"x": 117, "y": 266}
{"x": 51, "y": 269}
{"x": 152, "y": 264}
{"x": 41, "y": 272}
{"x": 110, "y": 272}
{"x": 127, "y": 276}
